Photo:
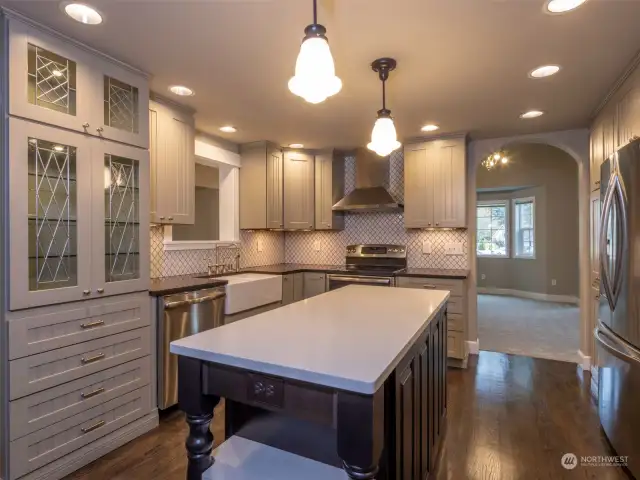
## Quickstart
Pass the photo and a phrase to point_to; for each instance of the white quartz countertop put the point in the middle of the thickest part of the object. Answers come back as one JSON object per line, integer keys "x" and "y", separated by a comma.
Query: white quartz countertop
{"x": 351, "y": 338}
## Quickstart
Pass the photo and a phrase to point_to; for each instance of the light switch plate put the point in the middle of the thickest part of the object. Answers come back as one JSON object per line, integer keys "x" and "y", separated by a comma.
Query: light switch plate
{"x": 426, "y": 247}
{"x": 316, "y": 245}
{"x": 260, "y": 245}
{"x": 453, "y": 248}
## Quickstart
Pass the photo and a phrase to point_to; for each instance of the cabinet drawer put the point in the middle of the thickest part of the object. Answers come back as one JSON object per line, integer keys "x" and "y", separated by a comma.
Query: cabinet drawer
{"x": 43, "y": 329}
{"x": 38, "y": 411}
{"x": 455, "y": 345}
{"x": 455, "y": 322}
{"x": 456, "y": 287}
{"x": 32, "y": 374}
{"x": 455, "y": 305}
{"x": 46, "y": 445}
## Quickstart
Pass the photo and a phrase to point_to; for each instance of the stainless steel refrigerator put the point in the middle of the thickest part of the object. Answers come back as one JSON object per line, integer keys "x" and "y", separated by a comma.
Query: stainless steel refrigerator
{"x": 618, "y": 329}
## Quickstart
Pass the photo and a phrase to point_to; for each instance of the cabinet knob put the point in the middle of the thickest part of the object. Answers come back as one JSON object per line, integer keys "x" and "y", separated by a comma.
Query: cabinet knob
{"x": 100, "y": 290}
{"x": 170, "y": 218}
{"x": 86, "y": 292}
{"x": 161, "y": 218}
{"x": 100, "y": 129}
{"x": 429, "y": 223}
{"x": 437, "y": 223}
{"x": 85, "y": 125}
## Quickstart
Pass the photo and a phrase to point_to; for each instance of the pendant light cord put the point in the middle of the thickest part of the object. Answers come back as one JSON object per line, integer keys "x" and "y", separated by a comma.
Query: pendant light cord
{"x": 384, "y": 95}
{"x": 315, "y": 12}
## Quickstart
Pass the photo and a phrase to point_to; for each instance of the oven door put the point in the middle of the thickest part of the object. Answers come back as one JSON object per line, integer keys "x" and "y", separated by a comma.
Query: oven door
{"x": 339, "y": 281}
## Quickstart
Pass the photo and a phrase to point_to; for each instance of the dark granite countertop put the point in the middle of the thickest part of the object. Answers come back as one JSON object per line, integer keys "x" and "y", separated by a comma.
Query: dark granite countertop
{"x": 182, "y": 283}
{"x": 286, "y": 268}
{"x": 435, "y": 272}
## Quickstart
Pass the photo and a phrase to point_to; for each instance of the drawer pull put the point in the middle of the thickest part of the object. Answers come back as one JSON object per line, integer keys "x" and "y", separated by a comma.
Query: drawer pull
{"x": 93, "y": 427}
{"x": 97, "y": 391}
{"x": 430, "y": 286}
{"x": 97, "y": 323}
{"x": 95, "y": 358}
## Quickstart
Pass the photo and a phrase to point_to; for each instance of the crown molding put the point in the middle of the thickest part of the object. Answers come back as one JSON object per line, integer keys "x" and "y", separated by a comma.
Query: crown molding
{"x": 631, "y": 67}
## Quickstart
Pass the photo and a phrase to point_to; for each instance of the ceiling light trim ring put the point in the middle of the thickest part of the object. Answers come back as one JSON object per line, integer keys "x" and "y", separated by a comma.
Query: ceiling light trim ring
{"x": 99, "y": 16}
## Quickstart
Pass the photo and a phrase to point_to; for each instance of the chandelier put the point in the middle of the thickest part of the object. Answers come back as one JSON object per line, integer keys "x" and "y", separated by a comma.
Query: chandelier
{"x": 495, "y": 159}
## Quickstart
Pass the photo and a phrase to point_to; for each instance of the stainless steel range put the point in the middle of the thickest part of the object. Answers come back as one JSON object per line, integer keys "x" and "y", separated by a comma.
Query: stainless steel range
{"x": 371, "y": 265}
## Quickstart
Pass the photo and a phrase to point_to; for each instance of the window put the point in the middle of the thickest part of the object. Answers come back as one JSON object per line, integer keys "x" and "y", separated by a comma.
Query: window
{"x": 524, "y": 227}
{"x": 492, "y": 238}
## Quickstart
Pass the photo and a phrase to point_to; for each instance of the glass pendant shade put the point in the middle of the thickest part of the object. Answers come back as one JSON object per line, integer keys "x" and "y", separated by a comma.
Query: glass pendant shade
{"x": 315, "y": 78}
{"x": 383, "y": 137}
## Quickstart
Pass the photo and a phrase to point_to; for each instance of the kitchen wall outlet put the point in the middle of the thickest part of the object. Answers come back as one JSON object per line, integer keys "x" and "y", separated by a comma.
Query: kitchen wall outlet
{"x": 553, "y": 282}
{"x": 453, "y": 248}
{"x": 426, "y": 247}
{"x": 260, "y": 245}
{"x": 483, "y": 277}
{"x": 316, "y": 245}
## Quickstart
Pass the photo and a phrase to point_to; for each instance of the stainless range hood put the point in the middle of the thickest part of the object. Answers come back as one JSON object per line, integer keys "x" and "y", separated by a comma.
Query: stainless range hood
{"x": 372, "y": 179}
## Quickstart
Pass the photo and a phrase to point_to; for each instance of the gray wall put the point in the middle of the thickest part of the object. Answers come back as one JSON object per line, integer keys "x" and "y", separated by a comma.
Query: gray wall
{"x": 552, "y": 178}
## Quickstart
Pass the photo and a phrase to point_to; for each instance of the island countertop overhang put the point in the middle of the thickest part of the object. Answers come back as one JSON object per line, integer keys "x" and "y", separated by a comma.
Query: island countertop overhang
{"x": 349, "y": 339}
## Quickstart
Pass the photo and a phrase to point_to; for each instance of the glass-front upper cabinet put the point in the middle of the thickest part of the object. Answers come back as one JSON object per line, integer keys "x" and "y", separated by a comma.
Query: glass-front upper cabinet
{"x": 120, "y": 206}
{"x": 54, "y": 81}
{"x": 50, "y": 215}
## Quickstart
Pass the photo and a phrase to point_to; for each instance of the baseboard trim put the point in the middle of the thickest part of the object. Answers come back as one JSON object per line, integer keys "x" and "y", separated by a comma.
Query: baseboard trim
{"x": 75, "y": 460}
{"x": 585, "y": 362}
{"x": 473, "y": 347}
{"x": 544, "y": 297}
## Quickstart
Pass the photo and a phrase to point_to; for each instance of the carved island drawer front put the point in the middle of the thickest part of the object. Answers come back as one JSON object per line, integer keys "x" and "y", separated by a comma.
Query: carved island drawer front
{"x": 32, "y": 374}
{"x": 43, "y": 329}
{"x": 46, "y": 445}
{"x": 38, "y": 411}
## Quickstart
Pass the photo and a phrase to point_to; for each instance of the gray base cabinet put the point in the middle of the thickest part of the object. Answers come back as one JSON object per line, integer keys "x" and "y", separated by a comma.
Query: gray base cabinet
{"x": 314, "y": 284}
{"x": 292, "y": 288}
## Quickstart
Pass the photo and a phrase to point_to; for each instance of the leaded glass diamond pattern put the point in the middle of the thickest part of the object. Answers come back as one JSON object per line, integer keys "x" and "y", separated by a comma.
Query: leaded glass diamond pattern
{"x": 51, "y": 80}
{"x": 52, "y": 227}
{"x": 121, "y": 105}
{"x": 121, "y": 219}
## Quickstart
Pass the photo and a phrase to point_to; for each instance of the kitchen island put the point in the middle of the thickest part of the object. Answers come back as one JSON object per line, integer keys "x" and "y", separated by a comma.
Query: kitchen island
{"x": 352, "y": 379}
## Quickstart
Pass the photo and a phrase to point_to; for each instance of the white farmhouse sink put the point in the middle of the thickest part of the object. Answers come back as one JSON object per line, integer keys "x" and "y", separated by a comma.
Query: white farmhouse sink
{"x": 251, "y": 290}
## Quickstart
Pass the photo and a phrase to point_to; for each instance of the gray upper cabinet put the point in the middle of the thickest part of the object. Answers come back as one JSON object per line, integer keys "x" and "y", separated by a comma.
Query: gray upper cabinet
{"x": 435, "y": 184}
{"x": 78, "y": 215}
{"x": 329, "y": 189}
{"x": 172, "y": 145}
{"x": 55, "y": 81}
{"x": 261, "y": 186}
{"x": 298, "y": 190}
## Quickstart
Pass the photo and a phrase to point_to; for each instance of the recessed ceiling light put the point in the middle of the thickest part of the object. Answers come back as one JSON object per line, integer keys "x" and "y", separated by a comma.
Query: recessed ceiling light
{"x": 561, "y": 6}
{"x": 181, "y": 90}
{"x": 544, "y": 71}
{"x": 430, "y": 128}
{"x": 83, "y": 13}
{"x": 228, "y": 129}
{"x": 532, "y": 114}
{"x": 296, "y": 145}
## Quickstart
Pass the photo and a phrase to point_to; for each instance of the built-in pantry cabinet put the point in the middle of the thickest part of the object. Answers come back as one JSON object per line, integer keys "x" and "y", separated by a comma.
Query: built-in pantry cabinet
{"x": 80, "y": 337}
{"x": 435, "y": 188}
{"x": 54, "y": 81}
{"x": 172, "y": 145}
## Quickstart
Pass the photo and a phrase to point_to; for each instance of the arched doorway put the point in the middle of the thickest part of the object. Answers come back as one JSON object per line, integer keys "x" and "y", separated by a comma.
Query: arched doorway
{"x": 576, "y": 144}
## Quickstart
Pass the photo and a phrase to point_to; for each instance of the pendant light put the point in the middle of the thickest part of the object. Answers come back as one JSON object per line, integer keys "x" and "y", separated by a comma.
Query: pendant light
{"x": 315, "y": 78}
{"x": 383, "y": 137}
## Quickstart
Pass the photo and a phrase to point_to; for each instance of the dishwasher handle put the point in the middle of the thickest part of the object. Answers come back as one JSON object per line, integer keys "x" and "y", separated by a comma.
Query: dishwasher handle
{"x": 193, "y": 301}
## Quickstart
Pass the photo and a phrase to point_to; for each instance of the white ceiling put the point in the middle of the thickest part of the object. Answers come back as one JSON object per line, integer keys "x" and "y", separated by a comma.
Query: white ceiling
{"x": 462, "y": 64}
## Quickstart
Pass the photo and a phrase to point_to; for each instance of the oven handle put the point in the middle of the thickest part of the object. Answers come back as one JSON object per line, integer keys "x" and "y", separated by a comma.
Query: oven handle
{"x": 380, "y": 280}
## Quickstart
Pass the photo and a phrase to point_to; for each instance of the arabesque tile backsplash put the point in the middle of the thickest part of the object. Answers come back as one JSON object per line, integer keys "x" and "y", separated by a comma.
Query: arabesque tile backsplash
{"x": 298, "y": 247}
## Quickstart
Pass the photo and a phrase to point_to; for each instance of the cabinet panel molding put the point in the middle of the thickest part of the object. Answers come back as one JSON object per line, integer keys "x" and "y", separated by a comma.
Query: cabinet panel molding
{"x": 298, "y": 191}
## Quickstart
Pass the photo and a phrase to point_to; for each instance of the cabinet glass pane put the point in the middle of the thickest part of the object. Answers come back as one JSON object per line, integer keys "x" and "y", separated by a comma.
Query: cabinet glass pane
{"x": 51, "y": 81}
{"x": 52, "y": 215}
{"x": 122, "y": 227}
{"x": 120, "y": 105}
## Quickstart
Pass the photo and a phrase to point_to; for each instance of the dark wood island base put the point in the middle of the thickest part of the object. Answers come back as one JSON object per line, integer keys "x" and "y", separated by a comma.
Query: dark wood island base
{"x": 395, "y": 433}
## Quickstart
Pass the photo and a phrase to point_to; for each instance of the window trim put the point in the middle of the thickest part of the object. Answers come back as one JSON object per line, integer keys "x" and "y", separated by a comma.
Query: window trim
{"x": 507, "y": 204}
{"x": 515, "y": 202}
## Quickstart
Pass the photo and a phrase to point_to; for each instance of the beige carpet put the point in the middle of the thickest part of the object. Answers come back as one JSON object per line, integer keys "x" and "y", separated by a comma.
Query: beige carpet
{"x": 529, "y": 327}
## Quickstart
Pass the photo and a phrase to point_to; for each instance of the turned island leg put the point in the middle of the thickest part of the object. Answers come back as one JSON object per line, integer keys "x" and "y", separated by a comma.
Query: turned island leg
{"x": 198, "y": 408}
{"x": 361, "y": 433}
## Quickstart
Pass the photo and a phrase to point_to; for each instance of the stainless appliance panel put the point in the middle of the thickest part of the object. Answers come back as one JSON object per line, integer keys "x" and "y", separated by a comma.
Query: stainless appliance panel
{"x": 339, "y": 281}
{"x": 182, "y": 315}
{"x": 618, "y": 389}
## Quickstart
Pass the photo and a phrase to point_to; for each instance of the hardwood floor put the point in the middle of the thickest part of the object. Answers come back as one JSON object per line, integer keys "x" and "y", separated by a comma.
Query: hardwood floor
{"x": 510, "y": 418}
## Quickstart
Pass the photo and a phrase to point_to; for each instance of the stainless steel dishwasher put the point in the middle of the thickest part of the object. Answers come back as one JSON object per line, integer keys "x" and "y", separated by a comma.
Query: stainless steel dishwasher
{"x": 181, "y": 315}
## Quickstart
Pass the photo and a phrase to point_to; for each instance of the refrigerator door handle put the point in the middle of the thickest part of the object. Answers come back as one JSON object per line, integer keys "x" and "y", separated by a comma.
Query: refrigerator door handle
{"x": 604, "y": 264}
{"x": 615, "y": 347}
{"x": 621, "y": 239}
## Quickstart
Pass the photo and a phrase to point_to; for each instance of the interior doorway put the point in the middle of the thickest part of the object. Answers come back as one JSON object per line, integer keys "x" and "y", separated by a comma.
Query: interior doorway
{"x": 527, "y": 252}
